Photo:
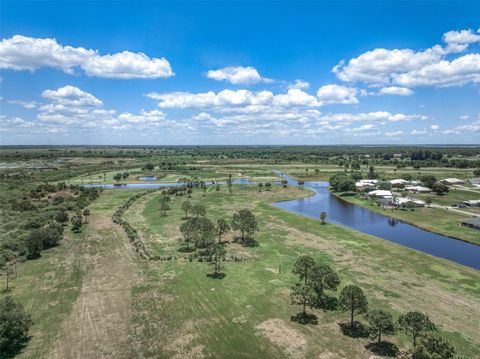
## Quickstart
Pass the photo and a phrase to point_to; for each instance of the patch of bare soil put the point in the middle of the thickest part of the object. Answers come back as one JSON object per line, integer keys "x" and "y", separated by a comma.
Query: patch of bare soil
{"x": 183, "y": 344}
{"x": 98, "y": 324}
{"x": 287, "y": 338}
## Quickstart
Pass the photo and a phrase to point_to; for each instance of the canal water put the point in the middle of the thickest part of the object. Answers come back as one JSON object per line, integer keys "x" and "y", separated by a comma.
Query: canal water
{"x": 363, "y": 220}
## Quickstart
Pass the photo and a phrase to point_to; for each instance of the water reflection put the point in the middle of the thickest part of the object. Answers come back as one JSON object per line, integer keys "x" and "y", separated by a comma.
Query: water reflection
{"x": 362, "y": 219}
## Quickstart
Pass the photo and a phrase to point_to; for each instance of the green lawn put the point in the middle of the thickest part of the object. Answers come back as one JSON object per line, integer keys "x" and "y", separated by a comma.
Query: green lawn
{"x": 180, "y": 311}
{"x": 454, "y": 196}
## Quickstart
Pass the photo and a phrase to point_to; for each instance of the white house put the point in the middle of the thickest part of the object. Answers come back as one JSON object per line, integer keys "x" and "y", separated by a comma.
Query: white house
{"x": 419, "y": 189}
{"x": 380, "y": 193}
{"x": 452, "y": 181}
{"x": 398, "y": 182}
{"x": 472, "y": 203}
{"x": 409, "y": 202}
{"x": 365, "y": 184}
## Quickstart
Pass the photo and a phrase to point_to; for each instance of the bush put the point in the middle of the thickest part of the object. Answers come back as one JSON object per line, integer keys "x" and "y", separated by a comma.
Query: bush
{"x": 14, "y": 326}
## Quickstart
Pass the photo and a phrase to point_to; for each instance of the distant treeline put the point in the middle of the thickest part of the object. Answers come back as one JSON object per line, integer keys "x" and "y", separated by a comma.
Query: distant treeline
{"x": 426, "y": 156}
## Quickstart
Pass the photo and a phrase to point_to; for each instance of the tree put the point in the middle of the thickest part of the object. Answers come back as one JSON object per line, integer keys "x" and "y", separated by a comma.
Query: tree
{"x": 260, "y": 186}
{"x": 414, "y": 324}
{"x": 384, "y": 185}
{"x": 346, "y": 185}
{"x": 117, "y": 177}
{"x": 198, "y": 210}
{"x": 245, "y": 222}
{"x": 188, "y": 231}
{"x": 428, "y": 201}
{"x": 125, "y": 175}
{"x": 268, "y": 186}
{"x": 433, "y": 346}
{"x": 323, "y": 278}
{"x": 336, "y": 179}
{"x": 50, "y": 235}
{"x": 86, "y": 213}
{"x": 186, "y": 206}
{"x": 222, "y": 228}
{"x": 165, "y": 199}
{"x": 476, "y": 172}
{"x": 353, "y": 300}
{"x": 198, "y": 230}
{"x": 323, "y": 217}
{"x": 76, "y": 222}
{"x": 303, "y": 267}
{"x": 61, "y": 217}
{"x": 371, "y": 173}
{"x": 439, "y": 188}
{"x": 164, "y": 207}
{"x": 301, "y": 183}
{"x": 189, "y": 192}
{"x": 356, "y": 176}
{"x": 379, "y": 322}
{"x": 14, "y": 326}
{"x": 217, "y": 188}
{"x": 6, "y": 269}
{"x": 149, "y": 167}
{"x": 284, "y": 183}
{"x": 34, "y": 245}
{"x": 302, "y": 294}
{"x": 428, "y": 180}
{"x": 206, "y": 232}
{"x": 217, "y": 251}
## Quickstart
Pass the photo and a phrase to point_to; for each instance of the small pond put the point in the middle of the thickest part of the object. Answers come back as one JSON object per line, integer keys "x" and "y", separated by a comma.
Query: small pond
{"x": 147, "y": 178}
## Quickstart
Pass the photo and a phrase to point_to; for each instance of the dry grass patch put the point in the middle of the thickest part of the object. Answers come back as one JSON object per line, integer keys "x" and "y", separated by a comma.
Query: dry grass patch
{"x": 287, "y": 338}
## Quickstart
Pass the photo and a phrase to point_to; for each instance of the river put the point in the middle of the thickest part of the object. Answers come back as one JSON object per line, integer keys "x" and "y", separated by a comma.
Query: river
{"x": 364, "y": 220}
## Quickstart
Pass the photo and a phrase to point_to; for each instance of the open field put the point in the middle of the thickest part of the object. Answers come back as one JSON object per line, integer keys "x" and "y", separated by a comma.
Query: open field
{"x": 227, "y": 314}
{"x": 93, "y": 296}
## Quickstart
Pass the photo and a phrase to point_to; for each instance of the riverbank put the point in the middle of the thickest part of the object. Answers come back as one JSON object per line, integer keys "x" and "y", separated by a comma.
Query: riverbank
{"x": 435, "y": 220}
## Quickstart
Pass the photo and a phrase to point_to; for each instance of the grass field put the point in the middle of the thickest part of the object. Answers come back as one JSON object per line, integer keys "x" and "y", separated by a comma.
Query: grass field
{"x": 249, "y": 309}
{"x": 92, "y": 296}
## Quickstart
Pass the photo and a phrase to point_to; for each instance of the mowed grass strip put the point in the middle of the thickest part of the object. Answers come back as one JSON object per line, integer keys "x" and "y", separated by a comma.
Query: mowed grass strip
{"x": 180, "y": 311}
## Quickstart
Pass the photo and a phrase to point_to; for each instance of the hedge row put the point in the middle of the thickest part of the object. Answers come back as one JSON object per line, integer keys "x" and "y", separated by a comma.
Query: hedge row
{"x": 132, "y": 233}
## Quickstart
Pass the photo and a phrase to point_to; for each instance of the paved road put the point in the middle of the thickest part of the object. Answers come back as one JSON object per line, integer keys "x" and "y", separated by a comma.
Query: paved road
{"x": 453, "y": 209}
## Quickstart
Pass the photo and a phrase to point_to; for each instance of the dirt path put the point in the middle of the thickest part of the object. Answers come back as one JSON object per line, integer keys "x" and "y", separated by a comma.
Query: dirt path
{"x": 98, "y": 325}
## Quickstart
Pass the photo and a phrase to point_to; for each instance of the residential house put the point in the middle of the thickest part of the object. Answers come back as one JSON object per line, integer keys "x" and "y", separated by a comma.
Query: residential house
{"x": 452, "y": 181}
{"x": 418, "y": 189}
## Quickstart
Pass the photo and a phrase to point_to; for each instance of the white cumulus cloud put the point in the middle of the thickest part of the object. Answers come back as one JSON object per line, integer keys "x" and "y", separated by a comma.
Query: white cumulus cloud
{"x": 410, "y": 68}
{"x": 336, "y": 94}
{"x": 395, "y": 90}
{"x": 299, "y": 84}
{"x": 28, "y": 53}
{"x": 237, "y": 75}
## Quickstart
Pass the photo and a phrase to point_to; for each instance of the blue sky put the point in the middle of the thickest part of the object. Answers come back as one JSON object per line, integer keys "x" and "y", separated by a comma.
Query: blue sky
{"x": 239, "y": 72}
